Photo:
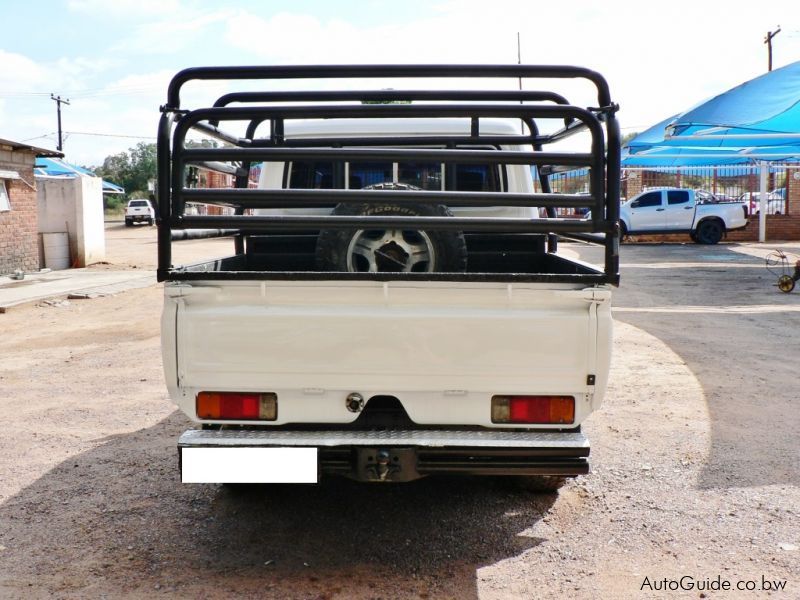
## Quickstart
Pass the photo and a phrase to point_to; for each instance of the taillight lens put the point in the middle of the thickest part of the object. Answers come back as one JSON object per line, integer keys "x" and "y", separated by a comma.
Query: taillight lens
{"x": 237, "y": 406}
{"x": 533, "y": 409}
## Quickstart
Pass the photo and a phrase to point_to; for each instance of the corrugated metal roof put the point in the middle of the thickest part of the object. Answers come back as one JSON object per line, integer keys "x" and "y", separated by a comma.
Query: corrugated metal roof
{"x": 54, "y": 167}
{"x": 35, "y": 149}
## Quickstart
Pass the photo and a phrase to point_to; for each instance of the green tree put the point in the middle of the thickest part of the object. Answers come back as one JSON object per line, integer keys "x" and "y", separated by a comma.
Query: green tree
{"x": 132, "y": 169}
{"x": 143, "y": 166}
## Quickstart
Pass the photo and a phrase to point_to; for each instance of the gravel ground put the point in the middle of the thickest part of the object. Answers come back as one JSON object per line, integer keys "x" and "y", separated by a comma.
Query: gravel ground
{"x": 695, "y": 464}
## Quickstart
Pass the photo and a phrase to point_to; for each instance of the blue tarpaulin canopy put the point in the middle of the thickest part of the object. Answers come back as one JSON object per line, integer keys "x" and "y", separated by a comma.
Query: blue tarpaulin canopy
{"x": 757, "y": 120}
{"x": 666, "y": 156}
{"x": 54, "y": 167}
{"x": 682, "y": 156}
{"x": 764, "y": 110}
{"x": 649, "y": 149}
{"x": 654, "y": 136}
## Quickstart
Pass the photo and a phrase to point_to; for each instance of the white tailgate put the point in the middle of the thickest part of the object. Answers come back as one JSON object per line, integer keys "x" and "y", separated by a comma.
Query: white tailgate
{"x": 414, "y": 341}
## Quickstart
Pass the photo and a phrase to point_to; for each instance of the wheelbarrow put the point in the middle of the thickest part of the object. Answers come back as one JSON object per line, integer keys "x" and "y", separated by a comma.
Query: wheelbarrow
{"x": 785, "y": 267}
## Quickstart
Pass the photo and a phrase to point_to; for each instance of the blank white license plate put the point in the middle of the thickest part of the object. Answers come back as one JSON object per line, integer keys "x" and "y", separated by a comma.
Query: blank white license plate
{"x": 249, "y": 465}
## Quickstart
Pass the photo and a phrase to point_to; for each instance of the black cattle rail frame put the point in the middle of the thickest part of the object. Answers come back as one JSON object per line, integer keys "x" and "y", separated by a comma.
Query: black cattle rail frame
{"x": 276, "y": 107}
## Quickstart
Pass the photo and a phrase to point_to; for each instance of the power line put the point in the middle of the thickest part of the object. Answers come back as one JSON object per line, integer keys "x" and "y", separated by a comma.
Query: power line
{"x": 39, "y": 137}
{"x": 52, "y": 134}
{"x": 113, "y": 135}
{"x": 22, "y": 94}
{"x": 92, "y": 93}
{"x": 116, "y": 92}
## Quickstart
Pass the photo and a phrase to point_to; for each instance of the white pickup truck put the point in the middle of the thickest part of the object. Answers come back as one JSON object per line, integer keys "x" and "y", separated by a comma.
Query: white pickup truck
{"x": 139, "y": 211}
{"x": 677, "y": 210}
{"x": 394, "y": 305}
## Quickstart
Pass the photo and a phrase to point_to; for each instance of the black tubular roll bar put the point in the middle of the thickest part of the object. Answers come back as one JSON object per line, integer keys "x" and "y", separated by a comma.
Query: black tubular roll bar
{"x": 385, "y": 71}
{"x": 238, "y": 152}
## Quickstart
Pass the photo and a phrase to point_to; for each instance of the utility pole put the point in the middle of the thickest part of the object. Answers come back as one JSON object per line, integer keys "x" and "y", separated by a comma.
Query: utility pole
{"x": 59, "y": 102}
{"x": 768, "y": 42}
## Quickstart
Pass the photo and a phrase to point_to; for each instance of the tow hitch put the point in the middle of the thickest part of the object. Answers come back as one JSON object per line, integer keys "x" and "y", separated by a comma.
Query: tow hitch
{"x": 386, "y": 464}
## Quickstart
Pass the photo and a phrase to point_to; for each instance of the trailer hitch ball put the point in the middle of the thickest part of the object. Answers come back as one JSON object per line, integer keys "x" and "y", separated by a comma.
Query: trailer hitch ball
{"x": 382, "y": 458}
{"x": 354, "y": 402}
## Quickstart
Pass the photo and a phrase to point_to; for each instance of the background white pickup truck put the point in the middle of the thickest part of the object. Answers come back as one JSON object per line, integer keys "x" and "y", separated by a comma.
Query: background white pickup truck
{"x": 677, "y": 210}
{"x": 394, "y": 306}
{"x": 139, "y": 211}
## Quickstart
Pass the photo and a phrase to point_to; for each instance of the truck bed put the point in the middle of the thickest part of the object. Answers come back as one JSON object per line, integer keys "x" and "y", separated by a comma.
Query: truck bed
{"x": 491, "y": 257}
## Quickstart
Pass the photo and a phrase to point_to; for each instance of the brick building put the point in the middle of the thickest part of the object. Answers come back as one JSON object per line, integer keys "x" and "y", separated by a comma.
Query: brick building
{"x": 19, "y": 230}
{"x": 205, "y": 178}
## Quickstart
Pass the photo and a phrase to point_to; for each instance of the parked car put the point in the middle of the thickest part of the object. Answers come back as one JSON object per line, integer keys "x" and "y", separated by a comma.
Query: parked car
{"x": 675, "y": 210}
{"x": 725, "y": 197}
{"x": 139, "y": 211}
{"x": 776, "y": 202}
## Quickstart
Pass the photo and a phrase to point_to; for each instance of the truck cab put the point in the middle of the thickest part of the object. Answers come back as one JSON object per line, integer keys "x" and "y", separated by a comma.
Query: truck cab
{"x": 431, "y": 175}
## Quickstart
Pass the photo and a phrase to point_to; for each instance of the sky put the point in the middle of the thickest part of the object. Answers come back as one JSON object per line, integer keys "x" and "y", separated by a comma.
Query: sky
{"x": 113, "y": 59}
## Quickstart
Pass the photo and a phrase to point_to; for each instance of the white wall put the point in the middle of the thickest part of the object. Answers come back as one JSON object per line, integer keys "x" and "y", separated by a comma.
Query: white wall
{"x": 74, "y": 205}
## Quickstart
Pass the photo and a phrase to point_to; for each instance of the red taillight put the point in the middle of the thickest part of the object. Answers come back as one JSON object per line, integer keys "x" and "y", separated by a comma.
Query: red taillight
{"x": 533, "y": 409}
{"x": 237, "y": 406}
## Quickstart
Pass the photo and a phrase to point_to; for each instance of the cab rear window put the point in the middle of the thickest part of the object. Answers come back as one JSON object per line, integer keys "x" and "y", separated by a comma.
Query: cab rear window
{"x": 476, "y": 178}
{"x": 423, "y": 175}
{"x": 311, "y": 175}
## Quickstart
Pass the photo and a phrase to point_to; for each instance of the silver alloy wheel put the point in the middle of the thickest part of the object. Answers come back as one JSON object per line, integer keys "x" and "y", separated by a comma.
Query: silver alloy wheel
{"x": 372, "y": 251}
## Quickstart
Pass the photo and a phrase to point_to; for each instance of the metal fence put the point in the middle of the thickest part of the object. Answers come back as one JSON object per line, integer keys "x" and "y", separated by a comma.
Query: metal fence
{"x": 723, "y": 183}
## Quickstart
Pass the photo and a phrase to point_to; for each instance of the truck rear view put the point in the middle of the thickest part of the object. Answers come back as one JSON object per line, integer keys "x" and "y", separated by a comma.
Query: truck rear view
{"x": 394, "y": 304}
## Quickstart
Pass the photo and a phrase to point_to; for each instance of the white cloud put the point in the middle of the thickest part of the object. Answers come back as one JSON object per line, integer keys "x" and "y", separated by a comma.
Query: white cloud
{"x": 22, "y": 88}
{"x": 81, "y": 68}
{"x": 288, "y": 37}
{"x": 657, "y": 61}
{"x": 125, "y": 9}
{"x": 173, "y": 34}
{"x": 20, "y": 73}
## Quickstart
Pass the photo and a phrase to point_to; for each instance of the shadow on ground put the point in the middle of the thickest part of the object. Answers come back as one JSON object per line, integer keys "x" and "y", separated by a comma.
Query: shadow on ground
{"x": 117, "y": 516}
{"x": 739, "y": 337}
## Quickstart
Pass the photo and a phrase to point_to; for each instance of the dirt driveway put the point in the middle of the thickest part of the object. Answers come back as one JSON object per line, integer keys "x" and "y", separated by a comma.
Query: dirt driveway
{"x": 695, "y": 464}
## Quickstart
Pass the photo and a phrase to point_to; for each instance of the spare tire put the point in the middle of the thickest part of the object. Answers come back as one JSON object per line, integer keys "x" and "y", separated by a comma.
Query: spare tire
{"x": 391, "y": 250}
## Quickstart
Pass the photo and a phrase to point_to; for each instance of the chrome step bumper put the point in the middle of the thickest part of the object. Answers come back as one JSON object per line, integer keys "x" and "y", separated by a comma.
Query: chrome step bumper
{"x": 403, "y": 455}
{"x": 410, "y": 437}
